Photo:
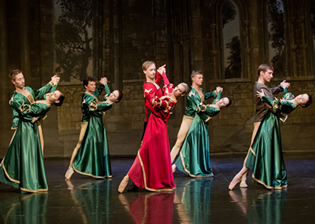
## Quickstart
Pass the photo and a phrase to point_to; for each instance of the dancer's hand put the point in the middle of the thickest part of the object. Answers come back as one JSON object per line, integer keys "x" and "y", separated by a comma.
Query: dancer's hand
{"x": 103, "y": 80}
{"x": 55, "y": 79}
{"x": 219, "y": 88}
{"x": 284, "y": 84}
{"x": 162, "y": 69}
{"x": 260, "y": 94}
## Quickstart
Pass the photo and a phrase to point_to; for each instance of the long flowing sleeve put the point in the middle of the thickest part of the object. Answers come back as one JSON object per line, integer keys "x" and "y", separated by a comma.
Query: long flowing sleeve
{"x": 42, "y": 91}
{"x": 16, "y": 105}
{"x": 15, "y": 120}
{"x": 35, "y": 109}
{"x": 287, "y": 95}
{"x": 150, "y": 95}
{"x": 53, "y": 89}
{"x": 217, "y": 98}
{"x": 165, "y": 79}
{"x": 164, "y": 103}
{"x": 99, "y": 90}
{"x": 159, "y": 78}
{"x": 274, "y": 103}
{"x": 102, "y": 106}
{"x": 207, "y": 111}
{"x": 210, "y": 94}
{"x": 16, "y": 102}
{"x": 107, "y": 90}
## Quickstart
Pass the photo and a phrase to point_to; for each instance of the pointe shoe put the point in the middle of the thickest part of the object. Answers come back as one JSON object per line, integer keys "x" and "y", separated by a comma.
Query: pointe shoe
{"x": 69, "y": 173}
{"x": 243, "y": 183}
{"x": 123, "y": 184}
{"x": 173, "y": 168}
{"x": 235, "y": 181}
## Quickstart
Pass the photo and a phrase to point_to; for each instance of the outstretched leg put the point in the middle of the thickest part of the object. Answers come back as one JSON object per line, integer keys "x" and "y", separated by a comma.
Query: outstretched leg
{"x": 183, "y": 130}
{"x": 70, "y": 170}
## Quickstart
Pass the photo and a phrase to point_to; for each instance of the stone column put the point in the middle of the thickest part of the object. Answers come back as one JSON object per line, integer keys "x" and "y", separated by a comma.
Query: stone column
{"x": 3, "y": 52}
{"x": 254, "y": 39}
{"x": 116, "y": 122}
{"x": 24, "y": 40}
{"x": 5, "y": 85}
{"x": 195, "y": 29}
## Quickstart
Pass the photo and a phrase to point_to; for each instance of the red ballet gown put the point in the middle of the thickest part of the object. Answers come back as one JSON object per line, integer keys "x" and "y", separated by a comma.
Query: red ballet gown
{"x": 152, "y": 168}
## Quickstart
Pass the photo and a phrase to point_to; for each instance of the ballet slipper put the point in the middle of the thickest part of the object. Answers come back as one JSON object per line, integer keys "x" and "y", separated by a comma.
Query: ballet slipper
{"x": 173, "y": 168}
{"x": 243, "y": 183}
{"x": 123, "y": 184}
{"x": 69, "y": 173}
{"x": 235, "y": 181}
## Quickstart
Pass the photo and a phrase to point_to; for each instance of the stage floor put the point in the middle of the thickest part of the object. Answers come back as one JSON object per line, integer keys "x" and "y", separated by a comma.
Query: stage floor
{"x": 195, "y": 200}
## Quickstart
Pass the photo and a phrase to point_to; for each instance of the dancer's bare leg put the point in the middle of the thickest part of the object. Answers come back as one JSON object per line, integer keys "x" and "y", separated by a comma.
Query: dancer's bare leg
{"x": 123, "y": 184}
{"x": 70, "y": 170}
{"x": 184, "y": 127}
{"x": 238, "y": 177}
{"x": 243, "y": 183}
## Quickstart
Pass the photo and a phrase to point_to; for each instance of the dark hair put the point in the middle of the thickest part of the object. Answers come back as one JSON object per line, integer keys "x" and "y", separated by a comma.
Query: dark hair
{"x": 120, "y": 96}
{"x": 230, "y": 102}
{"x": 61, "y": 99}
{"x": 14, "y": 72}
{"x": 308, "y": 102}
{"x": 87, "y": 80}
{"x": 195, "y": 72}
{"x": 264, "y": 67}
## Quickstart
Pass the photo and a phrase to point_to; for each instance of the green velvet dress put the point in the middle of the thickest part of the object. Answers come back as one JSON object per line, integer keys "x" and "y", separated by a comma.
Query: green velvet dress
{"x": 23, "y": 165}
{"x": 206, "y": 112}
{"x": 265, "y": 158}
{"x": 194, "y": 157}
{"x": 281, "y": 106}
{"x": 93, "y": 157}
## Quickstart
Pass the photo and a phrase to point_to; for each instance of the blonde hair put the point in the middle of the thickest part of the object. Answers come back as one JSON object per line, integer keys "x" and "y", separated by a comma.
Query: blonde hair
{"x": 185, "y": 86}
{"x": 146, "y": 64}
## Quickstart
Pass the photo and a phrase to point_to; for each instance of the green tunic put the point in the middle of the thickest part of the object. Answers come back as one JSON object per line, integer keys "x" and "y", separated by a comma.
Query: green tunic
{"x": 23, "y": 165}
{"x": 92, "y": 158}
{"x": 194, "y": 157}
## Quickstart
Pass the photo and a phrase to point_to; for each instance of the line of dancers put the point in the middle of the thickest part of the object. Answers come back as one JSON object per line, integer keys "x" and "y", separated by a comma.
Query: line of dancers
{"x": 153, "y": 167}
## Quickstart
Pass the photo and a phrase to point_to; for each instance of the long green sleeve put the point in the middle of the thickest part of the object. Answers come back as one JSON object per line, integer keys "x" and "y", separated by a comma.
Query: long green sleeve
{"x": 210, "y": 94}
{"x": 98, "y": 91}
{"x": 42, "y": 91}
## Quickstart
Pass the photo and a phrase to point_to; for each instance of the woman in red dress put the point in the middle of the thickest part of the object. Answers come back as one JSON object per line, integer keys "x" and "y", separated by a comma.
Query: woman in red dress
{"x": 152, "y": 167}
